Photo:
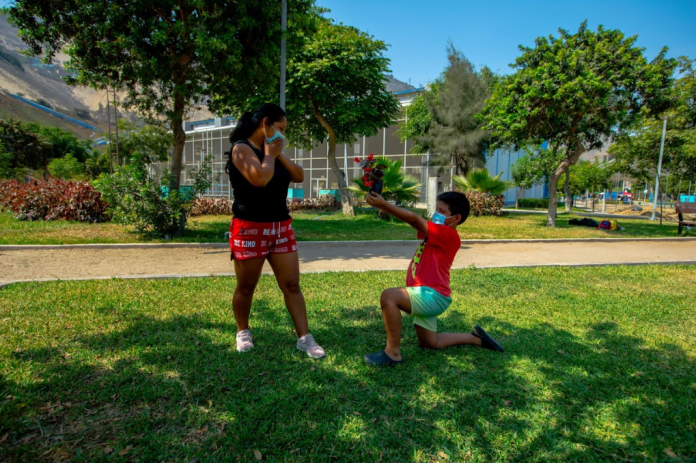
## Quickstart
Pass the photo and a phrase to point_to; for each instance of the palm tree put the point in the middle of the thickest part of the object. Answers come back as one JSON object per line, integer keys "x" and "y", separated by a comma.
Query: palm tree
{"x": 481, "y": 180}
{"x": 398, "y": 187}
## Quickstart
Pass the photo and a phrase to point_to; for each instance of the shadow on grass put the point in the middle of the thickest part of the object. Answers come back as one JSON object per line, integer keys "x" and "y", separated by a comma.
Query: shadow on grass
{"x": 174, "y": 389}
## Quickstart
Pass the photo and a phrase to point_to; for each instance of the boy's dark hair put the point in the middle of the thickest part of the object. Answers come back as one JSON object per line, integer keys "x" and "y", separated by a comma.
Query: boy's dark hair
{"x": 457, "y": 202}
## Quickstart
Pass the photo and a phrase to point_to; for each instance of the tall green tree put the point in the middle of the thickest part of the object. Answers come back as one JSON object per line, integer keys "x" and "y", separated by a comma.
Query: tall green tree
{"x": 576, "y": 91}
{"x": 335, "y": 91}
{"x": 167, "y": 56}
{"x": 23, "y": 149}
{"x": 150, "y": 143}
{"x": 525, "y": 175}
{"x": 590, "y": 177}
{"x": 455, "y": 135}
{"x": 637, "y": 151}
{"x": 62, "y": 142}
{"x": 416, "y": 123}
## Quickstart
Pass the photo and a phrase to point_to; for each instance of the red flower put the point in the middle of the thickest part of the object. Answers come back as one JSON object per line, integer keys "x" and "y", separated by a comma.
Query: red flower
{"x": 369, "y": 183}
{"x": 370, "y": 157}
{"x": 368, "y": 169}
{"x": 357, "y": 159}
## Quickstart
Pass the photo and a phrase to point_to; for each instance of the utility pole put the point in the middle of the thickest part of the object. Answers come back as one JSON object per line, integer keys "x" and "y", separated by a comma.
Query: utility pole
{"x": 283, "y": 43}
{"x": 108, "y": 118}
{"x": 659, "y": 168}
{"x": 118, "y": 161}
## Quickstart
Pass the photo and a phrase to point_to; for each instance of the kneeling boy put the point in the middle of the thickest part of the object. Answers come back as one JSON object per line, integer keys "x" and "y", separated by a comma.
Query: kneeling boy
{"x": 427, "y": 292}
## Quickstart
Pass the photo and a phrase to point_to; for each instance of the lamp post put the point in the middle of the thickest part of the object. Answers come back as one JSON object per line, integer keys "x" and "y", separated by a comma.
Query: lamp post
{"x": 659, "y": 168}
{"x": 283, "y": 41}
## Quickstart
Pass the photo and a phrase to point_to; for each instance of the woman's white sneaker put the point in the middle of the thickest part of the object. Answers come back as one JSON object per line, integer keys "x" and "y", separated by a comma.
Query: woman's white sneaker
{"x": 244, "y": 341}
{"x": 307, "y": 344}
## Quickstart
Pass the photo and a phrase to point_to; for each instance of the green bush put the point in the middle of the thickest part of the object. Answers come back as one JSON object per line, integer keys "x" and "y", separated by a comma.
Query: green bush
{"x": 150, "y": 205}
{"x": 536, "y": 203}
{"x": 137, "y": 200}
{"x": 67, "y": 168}
{"x": 483, "y": 204}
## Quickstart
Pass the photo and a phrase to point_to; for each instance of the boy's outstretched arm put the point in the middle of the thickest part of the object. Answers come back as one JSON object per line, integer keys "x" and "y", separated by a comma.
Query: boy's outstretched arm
{"x": 411, "y": 218}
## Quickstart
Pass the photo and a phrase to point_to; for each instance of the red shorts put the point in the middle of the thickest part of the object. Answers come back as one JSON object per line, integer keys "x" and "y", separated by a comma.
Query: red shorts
{"x": 250, "y": 240}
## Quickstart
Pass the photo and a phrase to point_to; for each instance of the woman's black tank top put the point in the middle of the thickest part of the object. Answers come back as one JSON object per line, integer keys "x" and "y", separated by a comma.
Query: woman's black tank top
{"x": 260, "y": 204}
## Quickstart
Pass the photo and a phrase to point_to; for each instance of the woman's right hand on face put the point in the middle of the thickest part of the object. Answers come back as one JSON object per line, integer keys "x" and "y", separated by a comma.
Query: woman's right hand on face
{"x": 274, "y": 149}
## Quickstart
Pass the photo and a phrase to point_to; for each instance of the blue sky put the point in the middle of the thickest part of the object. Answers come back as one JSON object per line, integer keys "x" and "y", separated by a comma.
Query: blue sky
{"x": 488, "y": 32}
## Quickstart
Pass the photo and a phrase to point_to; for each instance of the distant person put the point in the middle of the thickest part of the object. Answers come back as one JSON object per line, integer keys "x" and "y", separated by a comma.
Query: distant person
{"x": 427, "y": 292}
{"x": 261, "y": 229}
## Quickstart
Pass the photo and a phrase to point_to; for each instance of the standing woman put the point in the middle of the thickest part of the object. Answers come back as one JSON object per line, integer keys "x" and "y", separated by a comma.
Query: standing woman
{"x": 261, "y": 229}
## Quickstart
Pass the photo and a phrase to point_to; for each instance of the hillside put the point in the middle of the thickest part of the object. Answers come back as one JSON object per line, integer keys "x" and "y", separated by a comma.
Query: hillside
{"x": 11, "y": 108}
{"x": 44, "y": 84}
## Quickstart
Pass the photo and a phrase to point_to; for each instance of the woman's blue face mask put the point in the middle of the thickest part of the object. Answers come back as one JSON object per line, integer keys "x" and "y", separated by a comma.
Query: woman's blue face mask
{"x": 277, "y": 135}
{"x": 439, "y": 219}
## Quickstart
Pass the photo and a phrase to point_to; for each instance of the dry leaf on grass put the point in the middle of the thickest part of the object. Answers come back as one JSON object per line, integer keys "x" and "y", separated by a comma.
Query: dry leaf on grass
{"x": 203, "y": 430}
{"x": 125, "y": 451}
{"x": 443, "y": 455}
{"x": 258, "y": 455}
{"x": 670, "y": 453}
{"x": 108, "y": 450}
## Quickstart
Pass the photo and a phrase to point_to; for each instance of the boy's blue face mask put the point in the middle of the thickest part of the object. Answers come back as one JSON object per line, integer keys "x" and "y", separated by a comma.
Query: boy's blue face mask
{"x": 439, "y": 219}
{"x": 277, "y": 135}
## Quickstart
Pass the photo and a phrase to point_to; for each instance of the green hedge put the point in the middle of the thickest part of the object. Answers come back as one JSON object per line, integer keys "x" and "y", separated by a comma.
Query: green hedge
{"x": 535, "y": 203}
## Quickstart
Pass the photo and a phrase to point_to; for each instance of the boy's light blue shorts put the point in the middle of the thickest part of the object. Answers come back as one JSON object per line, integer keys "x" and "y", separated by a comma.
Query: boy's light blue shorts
{"x": 426, "y": 305}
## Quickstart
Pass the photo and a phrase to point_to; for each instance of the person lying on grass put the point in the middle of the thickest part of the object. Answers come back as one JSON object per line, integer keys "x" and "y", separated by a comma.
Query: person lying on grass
{"x": 427, "y": 291}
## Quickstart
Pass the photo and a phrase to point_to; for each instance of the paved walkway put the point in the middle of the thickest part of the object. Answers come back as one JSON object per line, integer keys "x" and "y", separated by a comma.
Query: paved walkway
{"x": 162, "y": 261}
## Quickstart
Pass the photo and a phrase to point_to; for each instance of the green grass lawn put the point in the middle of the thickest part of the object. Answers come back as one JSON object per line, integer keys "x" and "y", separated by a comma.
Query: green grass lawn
{"x": 325, "y": 227}
{"x": 136, "y": 370}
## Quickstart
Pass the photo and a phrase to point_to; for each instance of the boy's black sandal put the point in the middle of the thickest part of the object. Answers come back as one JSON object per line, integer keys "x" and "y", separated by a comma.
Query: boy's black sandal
{"x": 381, "y": 359}
{"x": 487, "y": 342}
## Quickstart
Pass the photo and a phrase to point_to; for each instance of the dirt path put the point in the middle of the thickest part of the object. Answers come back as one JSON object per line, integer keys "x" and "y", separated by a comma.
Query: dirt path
{"x": 107, "y": 261}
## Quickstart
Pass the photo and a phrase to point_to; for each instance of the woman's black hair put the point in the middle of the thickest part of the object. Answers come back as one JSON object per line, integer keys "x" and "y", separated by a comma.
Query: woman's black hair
{"x": 249, "y": 122}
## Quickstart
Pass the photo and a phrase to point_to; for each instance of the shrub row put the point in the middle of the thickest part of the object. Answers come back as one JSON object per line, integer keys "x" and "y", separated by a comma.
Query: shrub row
{"x": 535, "y": 203}
{"x": 485, "y": 204}
{"x": 210, "y": 206}
{"x": 52, "y": 199}
{"x": 323, "y": 203}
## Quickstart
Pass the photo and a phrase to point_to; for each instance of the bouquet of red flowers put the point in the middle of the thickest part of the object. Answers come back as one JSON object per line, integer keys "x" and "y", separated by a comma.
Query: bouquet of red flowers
{"x": 372, "y": 174}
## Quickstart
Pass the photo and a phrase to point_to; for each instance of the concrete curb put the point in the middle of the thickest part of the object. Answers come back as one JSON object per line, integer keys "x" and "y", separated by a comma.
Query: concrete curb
{"x": 218, "y": 275}
{"x": 320, "y": 244}
{"x": 225, "y": 245}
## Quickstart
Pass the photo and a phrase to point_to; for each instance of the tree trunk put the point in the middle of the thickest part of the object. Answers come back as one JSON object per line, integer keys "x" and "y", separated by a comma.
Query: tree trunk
{"x": 346, "y": 203}
{"x": 568, "y": 199}
{"x": 553, "y": 194}
{"x": 517, "y": 198}
{"x": 177, "y": 125}
{"x": 553, "y": 183}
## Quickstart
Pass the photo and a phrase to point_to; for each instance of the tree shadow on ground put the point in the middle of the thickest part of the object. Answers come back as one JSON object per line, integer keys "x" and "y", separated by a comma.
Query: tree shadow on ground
{"x": 153, "y": 388}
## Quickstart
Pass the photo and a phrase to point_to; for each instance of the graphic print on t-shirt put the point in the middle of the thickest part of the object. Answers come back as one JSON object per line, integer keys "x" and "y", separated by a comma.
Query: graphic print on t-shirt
{"x": 417, "y": 256}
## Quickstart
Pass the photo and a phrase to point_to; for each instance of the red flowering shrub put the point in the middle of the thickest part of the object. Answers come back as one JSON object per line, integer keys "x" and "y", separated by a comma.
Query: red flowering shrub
{"x": 53, "y": 199}
{"x": 323, "y": 203}
{"x": 485, "y": 204}
{"x": 211, "y": 206}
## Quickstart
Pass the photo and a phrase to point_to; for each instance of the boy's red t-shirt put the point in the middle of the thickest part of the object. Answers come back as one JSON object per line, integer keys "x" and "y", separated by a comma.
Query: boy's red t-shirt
{"x": 437, "y": 251}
